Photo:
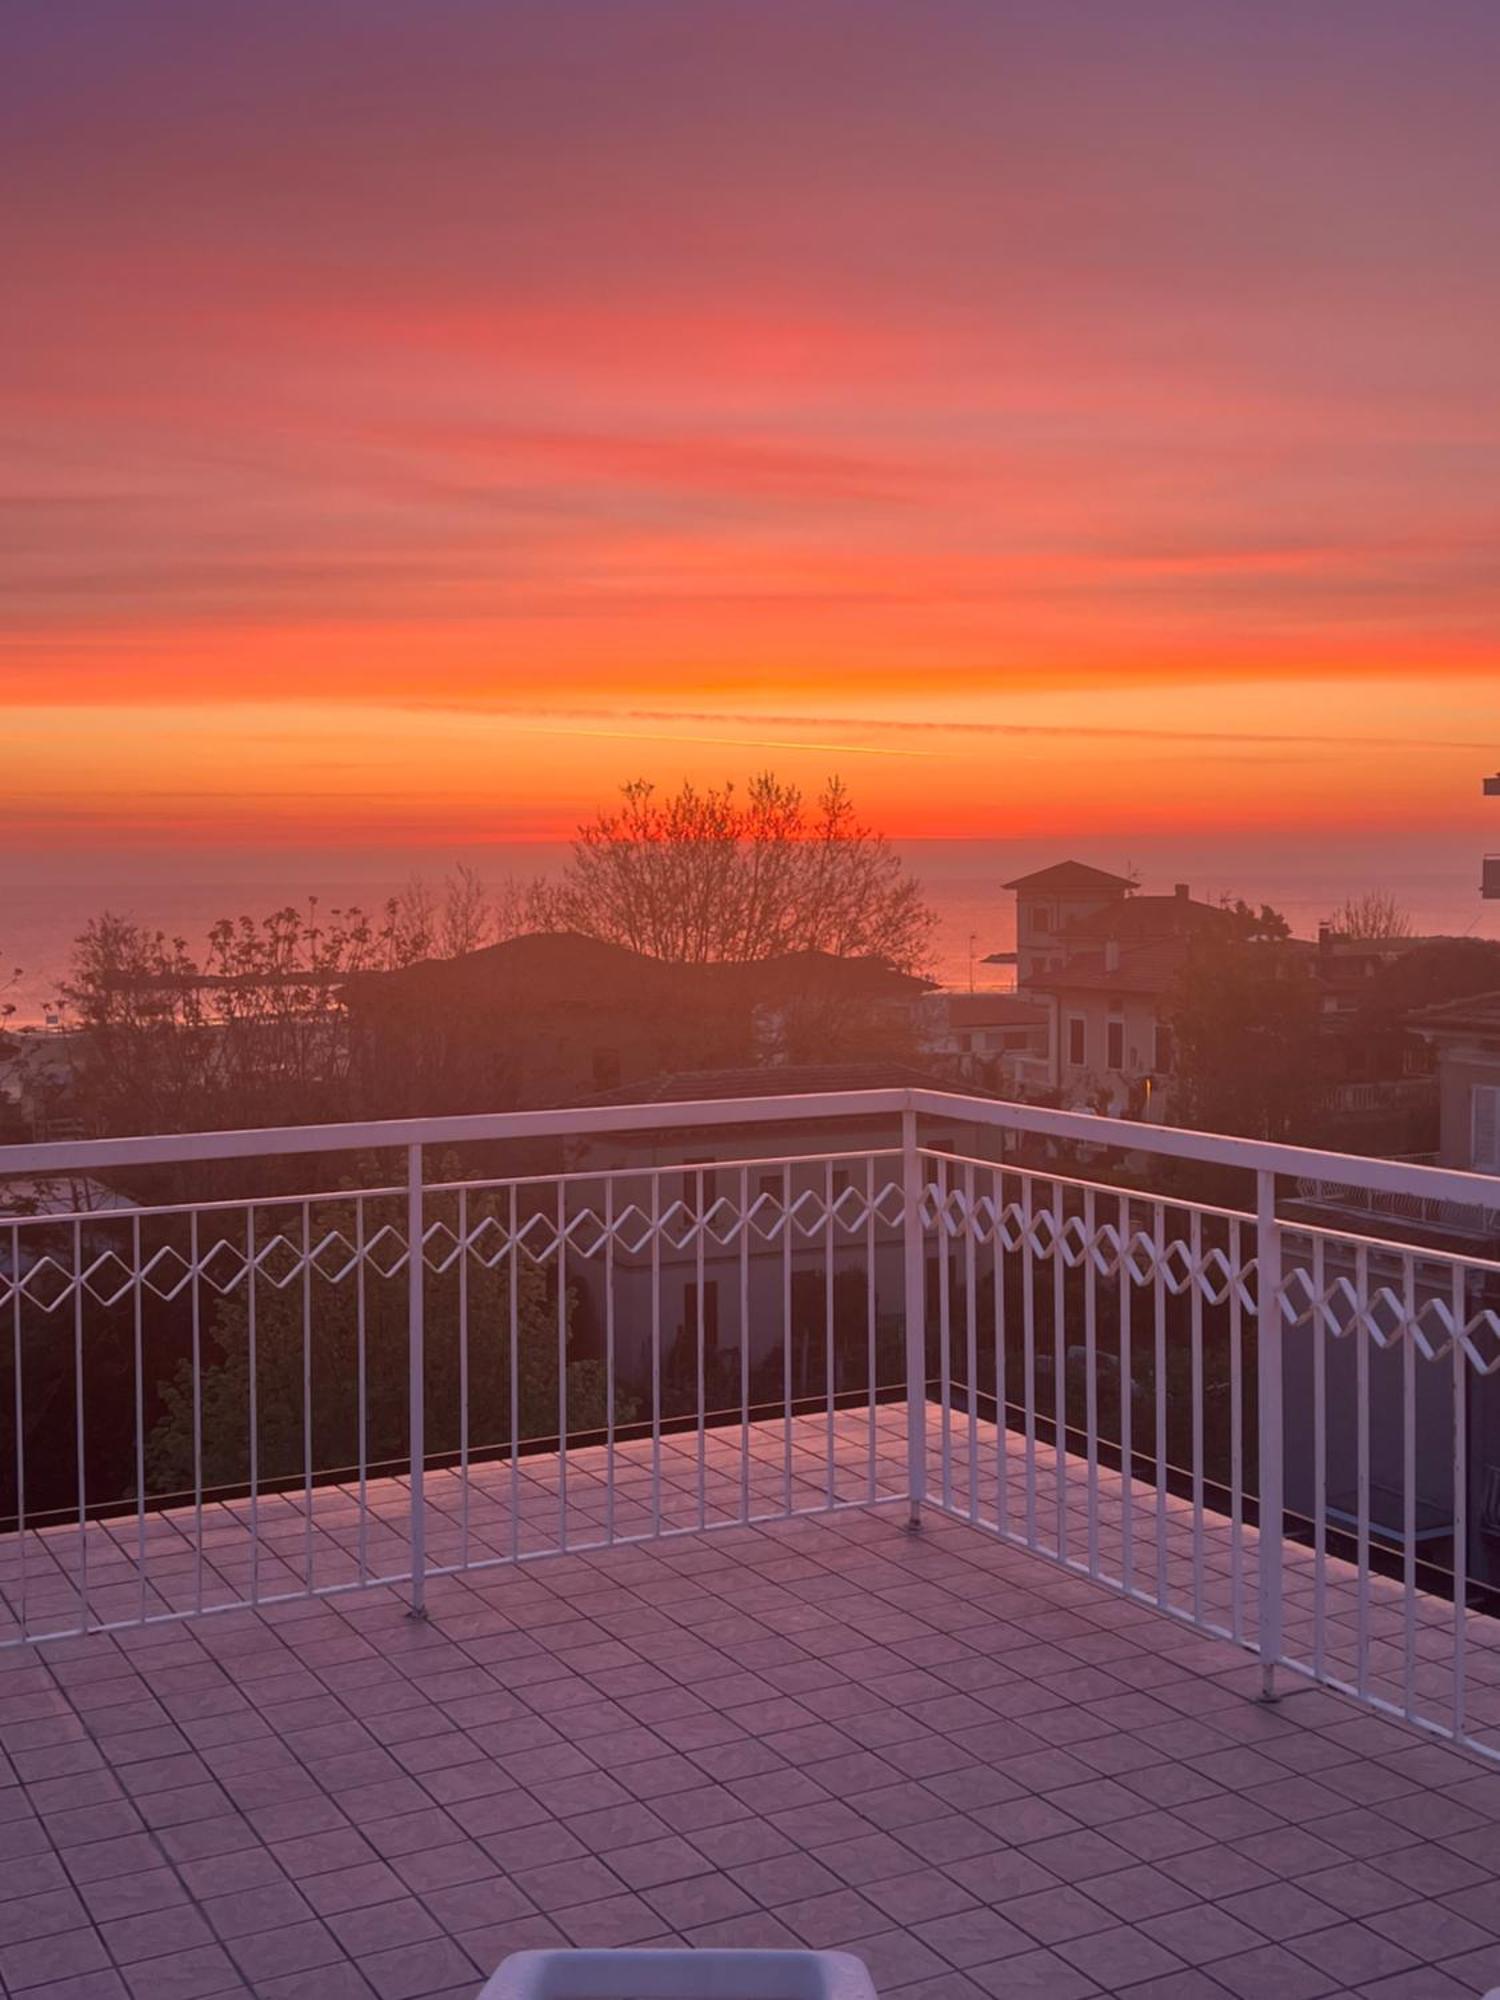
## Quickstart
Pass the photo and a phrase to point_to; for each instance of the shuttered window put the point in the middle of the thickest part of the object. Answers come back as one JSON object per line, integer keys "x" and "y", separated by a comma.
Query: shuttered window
{"x": 1486, "y": 1101}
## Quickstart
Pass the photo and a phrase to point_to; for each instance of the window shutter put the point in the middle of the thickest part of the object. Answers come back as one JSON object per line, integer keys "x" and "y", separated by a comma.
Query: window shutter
{"x": 1486, "y": 1100}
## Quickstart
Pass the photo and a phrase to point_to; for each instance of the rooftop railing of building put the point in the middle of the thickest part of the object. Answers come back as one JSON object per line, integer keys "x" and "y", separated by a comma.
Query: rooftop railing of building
{"x": 558, "y": 1331}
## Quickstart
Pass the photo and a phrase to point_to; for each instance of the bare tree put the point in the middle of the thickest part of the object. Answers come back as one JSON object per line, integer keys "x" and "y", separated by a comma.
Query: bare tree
{"x": 466, "y": 920}
{"x": 253, "y": 1032}
{"x": 704, "y": 875}
{"x": 412, "y": 918}
{"x": 1374, "y": 915}
{"x": 523, "y": 907}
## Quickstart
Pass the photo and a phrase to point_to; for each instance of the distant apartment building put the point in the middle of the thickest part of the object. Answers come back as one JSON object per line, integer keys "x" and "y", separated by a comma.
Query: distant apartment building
{"x": 1466, "y": 1037}
{"x": 1049, "y": 903}
{"x": 1106, "y": 975}
{"x": 992, "y": 1041}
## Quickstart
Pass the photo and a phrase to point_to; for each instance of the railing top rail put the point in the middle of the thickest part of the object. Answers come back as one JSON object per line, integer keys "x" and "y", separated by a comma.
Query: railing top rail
{"x": 86, "y": 1156}
{"x": 1215, "y": 1148}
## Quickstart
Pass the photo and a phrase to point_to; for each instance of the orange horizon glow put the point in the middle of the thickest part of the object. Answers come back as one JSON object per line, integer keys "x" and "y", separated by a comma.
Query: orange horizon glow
{"x": 1054, "y": 422}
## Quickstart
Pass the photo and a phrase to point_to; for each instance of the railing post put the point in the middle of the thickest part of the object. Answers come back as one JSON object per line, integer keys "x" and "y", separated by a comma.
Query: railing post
{"x": 913, "y": 1262}
{"x": 417, "y": 1383}
{"x": 1271, "y": 1440}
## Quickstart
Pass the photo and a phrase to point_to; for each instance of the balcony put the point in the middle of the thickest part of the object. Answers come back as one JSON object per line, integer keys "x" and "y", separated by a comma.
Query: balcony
{"x": 368, "y": 1616}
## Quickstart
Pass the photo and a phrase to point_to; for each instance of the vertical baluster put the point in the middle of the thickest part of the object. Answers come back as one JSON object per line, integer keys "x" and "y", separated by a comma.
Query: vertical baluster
{"x": 1409, "y": 1484}
{"x": 1459, "y": 1307}
{"x": 1059, "y": 1372}
{"x": 1159, "y": 1303}
{"x": 562, "y": 1364}
{"x": 140, "y": 1423}
{"x": 416, "y": 1309}
{"x": 914, "y": 1314}
{"x": 610, "y": 1472}
{"x": 945, "y": 1329}
{"x": 79, "y": 1440}
{"x": 1320, "y": 1461}
{"x": 1127, "y": 1410}
{"x": 1028, "y": 1335}
{"x": 1236, "y": 1434}
{"x": 253, "y": 1364}
{"x": 828, "y": 1347}
{"x": 197, "y": 1365}
{"x": 786, "y": 1336}
{"x": 513, "y": 1304}
{"x": 1002, "y": 1454}
{"x": 701, "y": 1234}
{"x": 463, "y": 1378}
{"x": 19, "y": 1402}
{"x": 1195, "y": 1309}
{"x": 971, "y": 1340}
{"x": 1362, "y": 1474}
{"x": 871, "y": 1364}
{"x": 744, "y": 1247}
{"x": 307, "y": 1401}
{"x": 656, "y": 1351}
{"x": 1091, "y": 1374}
{"x": 1269, "y": 1397}
{"x": 362, "y": 1392}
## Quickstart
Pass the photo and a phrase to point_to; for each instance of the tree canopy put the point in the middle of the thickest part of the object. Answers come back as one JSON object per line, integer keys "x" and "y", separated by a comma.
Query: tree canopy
{"x": 1244, "y": 1022}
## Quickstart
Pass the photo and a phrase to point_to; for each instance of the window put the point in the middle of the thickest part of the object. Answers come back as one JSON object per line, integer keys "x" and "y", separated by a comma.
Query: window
{"x": 1077, "y": 1041}
{"x": 704, "y": 1173}
{"x": 1041, "y": 920}
{"x": 771, "y": 1184}
{"x": 1163, "y": 1062}
{"x": 1114, "y": 1045}
{"x": 1486, "y": 1113}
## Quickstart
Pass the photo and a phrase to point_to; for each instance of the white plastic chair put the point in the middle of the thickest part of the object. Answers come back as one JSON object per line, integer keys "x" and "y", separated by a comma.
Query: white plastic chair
{"x": 680, "y": 1975}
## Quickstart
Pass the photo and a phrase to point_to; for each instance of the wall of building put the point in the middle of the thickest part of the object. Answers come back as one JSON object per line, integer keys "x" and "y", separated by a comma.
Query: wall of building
{"x": 1138, "y": 1013}
{"x": 1459, "y": 1072}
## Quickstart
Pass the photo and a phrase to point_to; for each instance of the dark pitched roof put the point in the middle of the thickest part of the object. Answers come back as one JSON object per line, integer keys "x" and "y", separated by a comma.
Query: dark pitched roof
{"x": 561, "y": 968}
{"x": 1140, "y": 919}
{"x": 992, "y": 1010}
{"x": 1070, "y": 875}
{"x": 1149, "y": 968}
{"x": 1479, "y": 1014}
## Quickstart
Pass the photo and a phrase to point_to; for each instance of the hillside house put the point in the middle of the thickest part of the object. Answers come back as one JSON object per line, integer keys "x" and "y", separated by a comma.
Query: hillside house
{"x": 1049, "y": 902}
{"x": 545, "y": 1018}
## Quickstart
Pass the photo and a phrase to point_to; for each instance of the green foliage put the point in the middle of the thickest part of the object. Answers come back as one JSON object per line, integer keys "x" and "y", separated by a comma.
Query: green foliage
{"x": 1244, "y": 1022}
{"x": 1252, "y": 926}
{"x": 347, "y": 1321}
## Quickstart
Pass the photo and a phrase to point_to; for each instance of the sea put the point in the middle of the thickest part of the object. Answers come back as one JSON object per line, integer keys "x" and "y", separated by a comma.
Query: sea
{"x": 47, "y": 897}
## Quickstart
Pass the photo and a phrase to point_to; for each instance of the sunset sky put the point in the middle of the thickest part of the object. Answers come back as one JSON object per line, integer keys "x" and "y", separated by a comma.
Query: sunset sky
{"x": 417, "y": 418}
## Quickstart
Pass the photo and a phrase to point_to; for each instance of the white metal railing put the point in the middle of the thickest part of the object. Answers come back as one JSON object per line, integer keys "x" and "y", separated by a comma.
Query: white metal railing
{"x": 1276, "y": 1431}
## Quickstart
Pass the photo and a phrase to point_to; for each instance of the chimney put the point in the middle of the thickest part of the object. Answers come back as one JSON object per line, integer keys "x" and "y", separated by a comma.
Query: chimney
{"x": 1325, "y": 942}
{"x": 1111, "y": 954}
{"x": 1180, "y": 891}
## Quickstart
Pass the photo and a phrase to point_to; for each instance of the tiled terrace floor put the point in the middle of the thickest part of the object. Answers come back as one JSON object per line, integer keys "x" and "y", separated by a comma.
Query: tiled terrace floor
{"x": 986, "y": 1776}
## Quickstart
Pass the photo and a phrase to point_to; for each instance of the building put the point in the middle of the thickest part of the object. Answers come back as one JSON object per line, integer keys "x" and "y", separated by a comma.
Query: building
{"x": 998, "y": 1041}
{"x": 1049, "y": 902}
{"x": 1466, "y": 1037}
{"x": 1108, "y": 989}
{"x": 541, "y": 1019}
